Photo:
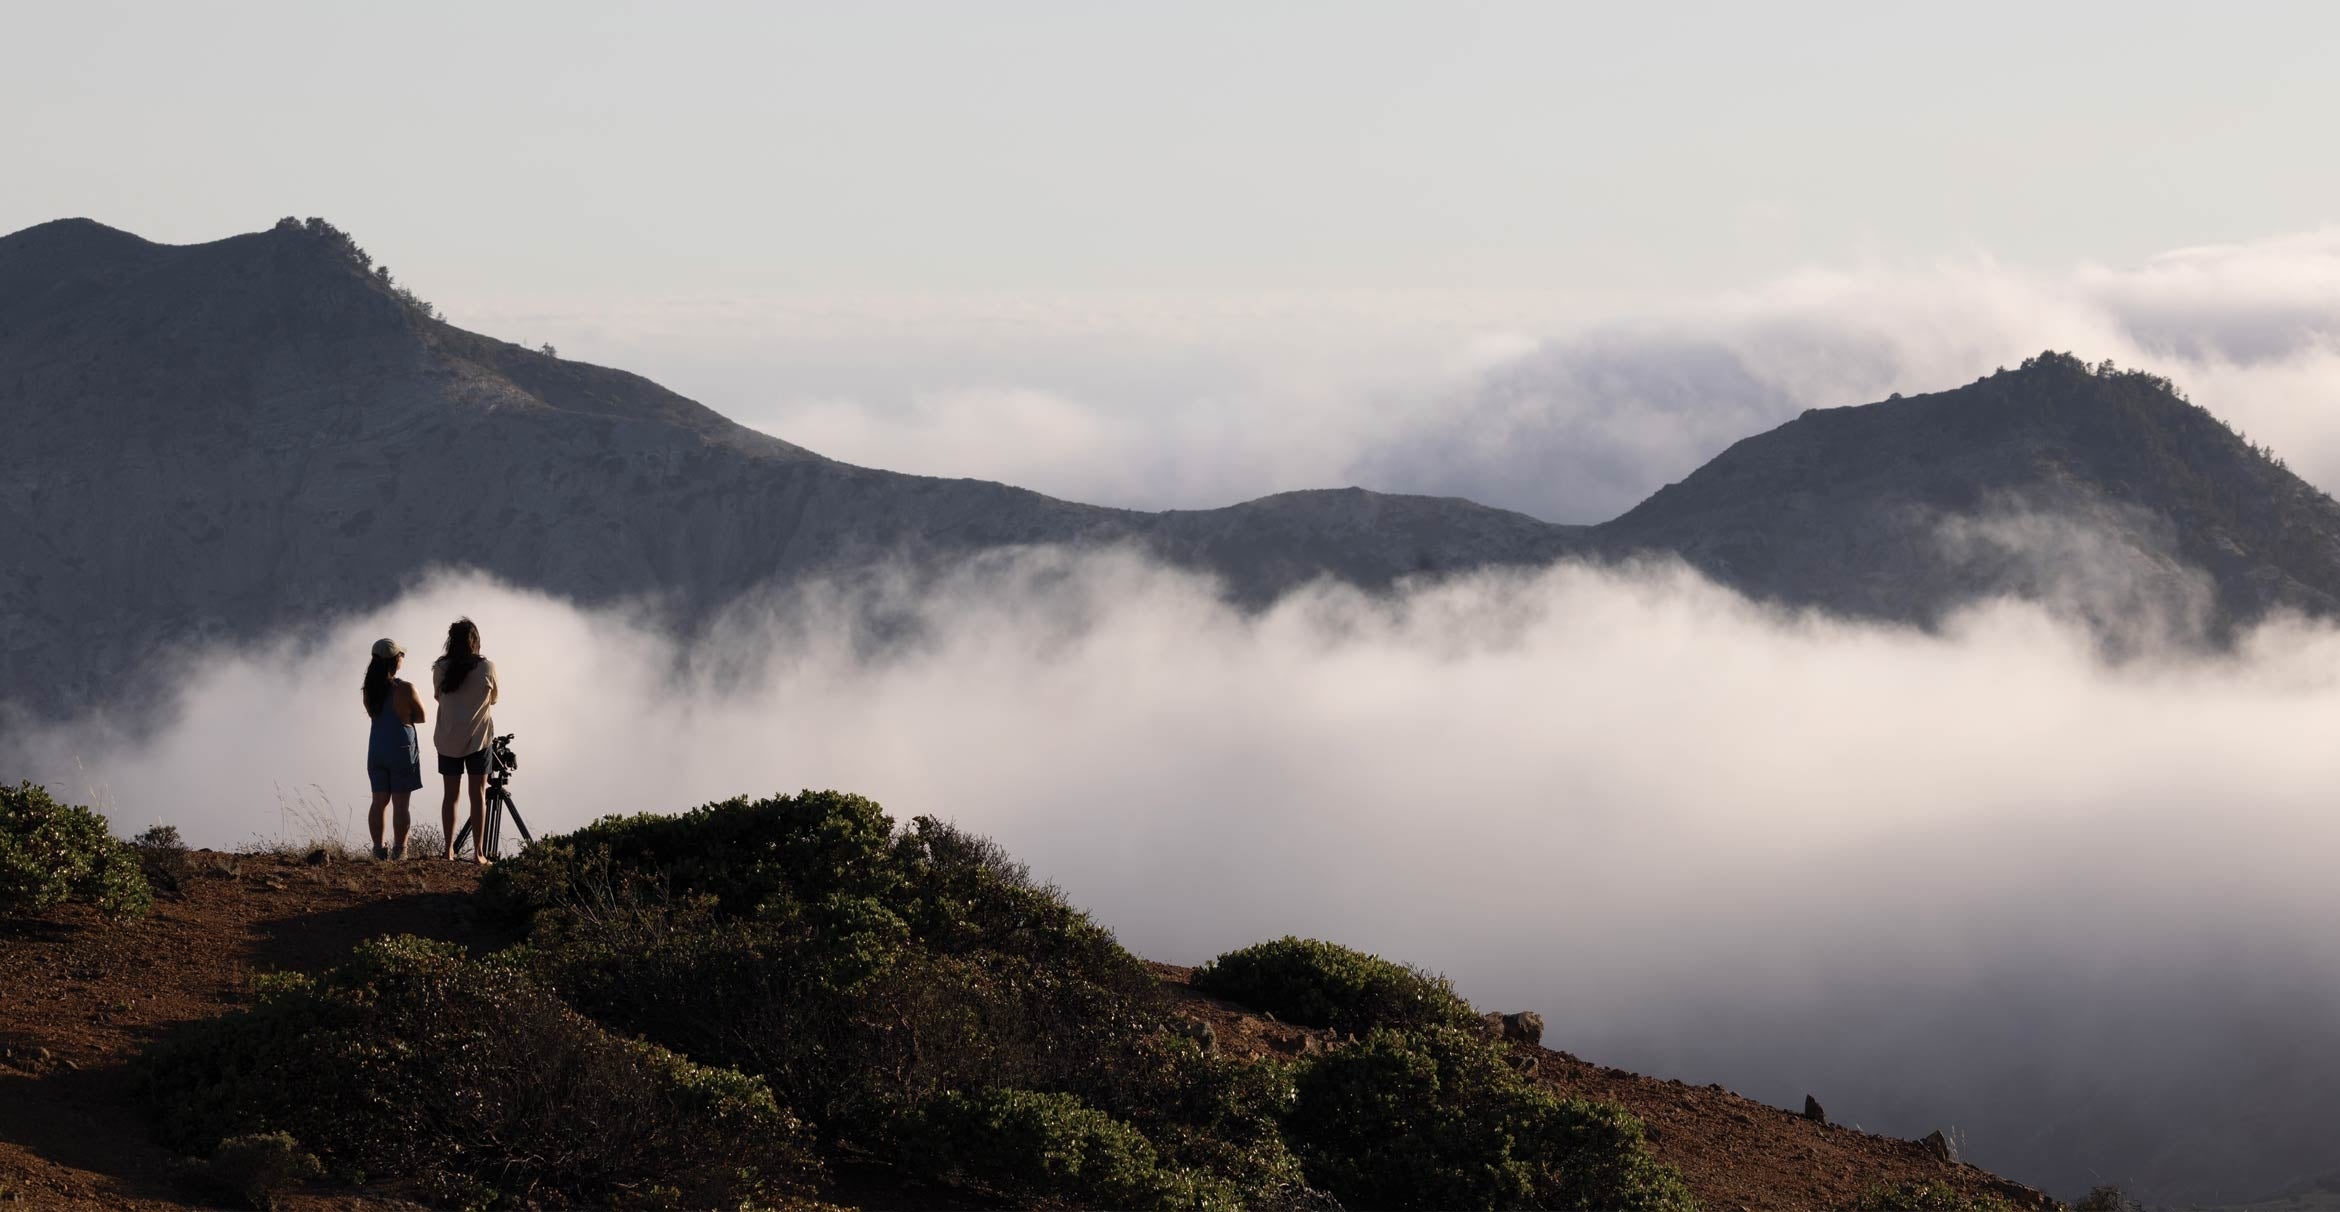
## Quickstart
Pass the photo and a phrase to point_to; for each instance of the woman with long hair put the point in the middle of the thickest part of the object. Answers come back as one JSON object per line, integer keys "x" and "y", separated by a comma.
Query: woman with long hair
{"x": 465, "y": 684}
{"x": 393, "y": 758}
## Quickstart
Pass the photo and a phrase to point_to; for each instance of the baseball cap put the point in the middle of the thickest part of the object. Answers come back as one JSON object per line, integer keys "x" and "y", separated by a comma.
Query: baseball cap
{"x": 385, "y": 648}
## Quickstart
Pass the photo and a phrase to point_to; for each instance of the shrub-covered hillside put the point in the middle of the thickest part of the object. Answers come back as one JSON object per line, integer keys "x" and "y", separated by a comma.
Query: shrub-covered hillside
{"x": 731, "y": 1004}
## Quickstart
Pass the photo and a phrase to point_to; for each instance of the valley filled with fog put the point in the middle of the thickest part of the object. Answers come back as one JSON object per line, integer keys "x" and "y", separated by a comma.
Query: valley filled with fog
{"x": 1982, "y": 880}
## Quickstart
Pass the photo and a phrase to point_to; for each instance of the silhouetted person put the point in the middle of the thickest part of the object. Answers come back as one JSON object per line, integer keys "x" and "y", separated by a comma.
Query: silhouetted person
{"x": 465, "y": 683}
{"x": 393, "y": 757}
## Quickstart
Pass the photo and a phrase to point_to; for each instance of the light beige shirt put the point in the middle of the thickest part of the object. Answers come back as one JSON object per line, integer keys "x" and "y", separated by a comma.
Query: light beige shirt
{"x": 464, "y": 726}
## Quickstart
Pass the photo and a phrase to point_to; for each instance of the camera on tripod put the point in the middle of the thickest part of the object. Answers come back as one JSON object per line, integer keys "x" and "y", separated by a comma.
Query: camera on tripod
{"x": 502, "y": 762}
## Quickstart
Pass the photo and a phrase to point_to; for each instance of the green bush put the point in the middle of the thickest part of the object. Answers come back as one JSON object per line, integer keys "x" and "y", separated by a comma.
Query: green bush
{"x": 1029, "y": 1146}
{"x": 752, "y": 857}
{"x": 1320, "y": 984}
{"x": 162, "y": 857}
{"x": 1438, "y": 1119}
{"x": 1211, "y": 1114}
{"x": 1930, "y": 1197}
{"x": 254, "y": 1168}
{"x": 860, "y": 970}
{"x": 51, "y": 853}
{"x": 467, "y": 1082}
{"x": 866, "y": 972}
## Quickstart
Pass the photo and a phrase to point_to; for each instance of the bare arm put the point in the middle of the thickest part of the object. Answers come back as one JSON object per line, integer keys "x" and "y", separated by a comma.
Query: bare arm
{"x": 410, "y": 704}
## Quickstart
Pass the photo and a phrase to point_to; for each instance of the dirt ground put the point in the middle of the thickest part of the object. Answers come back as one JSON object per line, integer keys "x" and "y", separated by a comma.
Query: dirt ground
{"x": 79, "y": 997}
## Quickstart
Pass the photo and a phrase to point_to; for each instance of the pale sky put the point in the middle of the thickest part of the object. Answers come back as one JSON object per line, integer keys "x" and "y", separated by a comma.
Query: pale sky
{"x": 1548, "y": 257}
{"x": 1608, "y": 149}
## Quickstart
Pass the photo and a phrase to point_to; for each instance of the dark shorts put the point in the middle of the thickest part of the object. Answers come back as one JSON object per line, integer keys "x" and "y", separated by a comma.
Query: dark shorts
{"x": 476, "y": 763}
{"x": 395, "y": 776}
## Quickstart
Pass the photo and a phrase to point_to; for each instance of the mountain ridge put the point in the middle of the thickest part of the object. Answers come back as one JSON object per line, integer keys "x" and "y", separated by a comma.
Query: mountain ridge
{"x": 219, "y": 440}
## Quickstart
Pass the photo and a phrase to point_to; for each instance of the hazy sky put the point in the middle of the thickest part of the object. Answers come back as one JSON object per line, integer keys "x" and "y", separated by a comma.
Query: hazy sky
{"x": 1608, "y": 150}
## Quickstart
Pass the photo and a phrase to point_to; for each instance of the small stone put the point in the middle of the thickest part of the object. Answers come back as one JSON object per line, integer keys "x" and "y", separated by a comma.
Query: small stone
{"x": 1197, "y": 1030}
{"x": 318, "y": 857}
{"x": 1812, "y": 1110}
{"x": 1527, "y": 1027}
{"x": 1937, "y": 1144}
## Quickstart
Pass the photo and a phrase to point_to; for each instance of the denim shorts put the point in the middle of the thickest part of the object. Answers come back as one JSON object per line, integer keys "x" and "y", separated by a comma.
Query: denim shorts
{"x": 395, "y": 776}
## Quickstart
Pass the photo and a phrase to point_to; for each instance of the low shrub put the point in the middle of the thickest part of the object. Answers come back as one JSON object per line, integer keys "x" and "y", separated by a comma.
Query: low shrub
{"x": 1929, "y": 1197}
{"x": 866, "y": 972}
{"x": 1211, "y": 1114}
{"x": 1438, "y": 1119}
{"x": 2106, "y": 1197}
{"x": 162, "y": 857}
{"x": 51, "y": 853}
{"x": 467, "y": 1082}
{"x": 751, "y": 856}
{"x": 1320, "y": 984}
{"x": 1028, "y": 1147}
{"x": 255, "y": 1168}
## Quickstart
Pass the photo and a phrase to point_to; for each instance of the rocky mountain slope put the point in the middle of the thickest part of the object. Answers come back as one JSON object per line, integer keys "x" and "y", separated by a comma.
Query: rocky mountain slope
{"x": 214, "y": 440}
{"x": 217, "y": 441}
{"x": 1906, "y": 508}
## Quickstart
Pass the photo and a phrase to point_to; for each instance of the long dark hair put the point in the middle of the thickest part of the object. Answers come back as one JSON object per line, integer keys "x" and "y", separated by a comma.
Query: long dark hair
{"x": 462, "y": 654}
{"x": 377, "y": 688}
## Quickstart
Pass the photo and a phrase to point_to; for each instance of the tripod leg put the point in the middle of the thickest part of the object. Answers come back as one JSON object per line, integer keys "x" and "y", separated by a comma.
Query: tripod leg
{"x": 513, "y": 806}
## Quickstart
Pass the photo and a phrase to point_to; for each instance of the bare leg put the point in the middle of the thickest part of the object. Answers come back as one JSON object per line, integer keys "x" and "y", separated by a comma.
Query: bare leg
{"x": 402, "y": 819}
{"x": 447, "y": 813}
{"x": 478, "y": 824}
{"x": 374, "y": 817}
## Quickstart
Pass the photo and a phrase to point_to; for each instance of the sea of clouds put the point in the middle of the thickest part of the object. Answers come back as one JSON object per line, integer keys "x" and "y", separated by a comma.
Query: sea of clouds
{"x": 2076, "y": 910}
{"x": 1567, "y": 408}
{"x": 1981, "y": 880}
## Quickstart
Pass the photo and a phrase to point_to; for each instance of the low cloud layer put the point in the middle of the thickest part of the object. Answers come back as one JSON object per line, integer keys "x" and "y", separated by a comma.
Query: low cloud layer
{"x": 1981, "y": 880}
{"x": 1530, "y": 402}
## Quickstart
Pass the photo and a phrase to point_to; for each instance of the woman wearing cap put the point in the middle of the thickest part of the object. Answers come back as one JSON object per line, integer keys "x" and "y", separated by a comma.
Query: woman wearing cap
{"x": 465, "y": 683}
{"x": 393, "y": 760}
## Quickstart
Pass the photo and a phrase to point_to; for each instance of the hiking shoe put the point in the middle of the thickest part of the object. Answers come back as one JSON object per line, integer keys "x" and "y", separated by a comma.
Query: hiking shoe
{"x": 398, "y": 853}
{"x": 381, "y": 853}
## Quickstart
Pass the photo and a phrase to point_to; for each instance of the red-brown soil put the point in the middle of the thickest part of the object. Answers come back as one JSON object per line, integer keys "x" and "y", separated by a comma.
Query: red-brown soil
{"x": 80, "y": 996}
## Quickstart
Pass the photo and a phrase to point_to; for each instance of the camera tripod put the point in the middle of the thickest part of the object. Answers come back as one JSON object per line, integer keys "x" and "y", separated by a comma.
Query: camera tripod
{"x": 501, "y": 763}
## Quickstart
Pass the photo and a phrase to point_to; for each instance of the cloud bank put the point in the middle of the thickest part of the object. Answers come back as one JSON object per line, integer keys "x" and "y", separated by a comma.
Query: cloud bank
{"x": 1981, "y": 879}
{"x": 1539, "y": 403}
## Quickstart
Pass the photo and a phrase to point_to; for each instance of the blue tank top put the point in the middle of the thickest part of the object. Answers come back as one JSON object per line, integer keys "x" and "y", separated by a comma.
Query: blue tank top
{"x": 392, "y": 742}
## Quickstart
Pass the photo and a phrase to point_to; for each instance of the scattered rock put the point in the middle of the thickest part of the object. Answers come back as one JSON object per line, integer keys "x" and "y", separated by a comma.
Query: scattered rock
{"x": 1812, "y": 1110}
{"x": 318, "y": 857}
{"x": 1527, "y": 1027}
{"x": 1197, "y": 1030}
{"x": 1939, "y": 1145}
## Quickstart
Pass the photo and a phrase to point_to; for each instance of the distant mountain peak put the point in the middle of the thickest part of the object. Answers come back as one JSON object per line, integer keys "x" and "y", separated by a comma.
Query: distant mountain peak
{"x": 227, "y": 437}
